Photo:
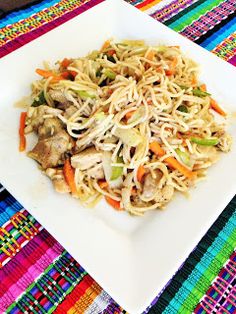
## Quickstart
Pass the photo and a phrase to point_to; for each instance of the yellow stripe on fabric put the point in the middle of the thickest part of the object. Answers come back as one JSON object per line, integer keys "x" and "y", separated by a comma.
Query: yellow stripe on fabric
{"x": 86, "y": 300}
{"x": 149, "y": 5}
{"x": 226, "y": 49}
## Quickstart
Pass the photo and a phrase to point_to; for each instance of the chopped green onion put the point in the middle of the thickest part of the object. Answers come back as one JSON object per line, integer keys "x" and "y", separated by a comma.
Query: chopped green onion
{"x": 185, "y": 158}
{"x": 39, "y": 100}
{"x": 117, "y": 171}
{"x": 198, "y": 92}
{"x": 110, "y": 74}
{"x": 83, "y": 94}
{"x": 183, "y": 108}
{"x": 205, "y": 141}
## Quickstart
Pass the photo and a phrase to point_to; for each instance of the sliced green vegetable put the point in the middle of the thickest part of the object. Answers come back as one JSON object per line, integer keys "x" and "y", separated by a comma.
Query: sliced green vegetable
{"x": 198, "y": 92}
{"x": 130, "y": 137}
{"x": 117, "y": 171}
{"x": 110, "y": 74}
{"x": 183, "y": 108}
{"x": 99, "y": 116}
{"x": 184, "y": 156}
{"x": 183, "y": 86}
{"x": 94, "y": 55}
{"x": 205, "y": 141}
{"x": 83, "y": 94}
{"x": 39, "y": 100}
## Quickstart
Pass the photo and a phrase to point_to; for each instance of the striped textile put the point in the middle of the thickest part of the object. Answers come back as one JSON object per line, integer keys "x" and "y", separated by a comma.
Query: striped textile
{"x": 44, "y": 278}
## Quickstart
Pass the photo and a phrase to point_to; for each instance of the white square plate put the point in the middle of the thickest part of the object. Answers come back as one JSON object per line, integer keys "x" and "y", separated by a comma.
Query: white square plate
{"x": 132, "y": 258}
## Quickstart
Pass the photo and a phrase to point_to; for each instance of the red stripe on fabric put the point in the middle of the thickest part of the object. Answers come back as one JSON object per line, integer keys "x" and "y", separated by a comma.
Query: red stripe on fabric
{"x": 143, "y": 4}
{"x": 26, "y": 38}
{"x": 75, "y": 295}
{"x": 26, "y": 259}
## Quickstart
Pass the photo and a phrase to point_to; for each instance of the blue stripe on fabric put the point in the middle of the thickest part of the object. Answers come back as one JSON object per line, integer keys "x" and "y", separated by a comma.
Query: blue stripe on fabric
{"x": 216, "y": 38}
{"x": 200, "y": 268}
{"x": 25, "y": 13}
{"x": 190, "y": 14}
{"x": 8, "y": 207}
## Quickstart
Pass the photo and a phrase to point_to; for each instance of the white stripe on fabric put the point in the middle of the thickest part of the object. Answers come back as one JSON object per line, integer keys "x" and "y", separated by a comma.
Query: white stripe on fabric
{"x": 99, "y": 304}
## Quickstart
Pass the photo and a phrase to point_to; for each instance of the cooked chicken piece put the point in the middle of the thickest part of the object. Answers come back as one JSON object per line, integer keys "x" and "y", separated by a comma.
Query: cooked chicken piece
{"x": 49, "y": 151}
{"x": 49, "y": 127}
{"x": 86, "y": 159}
{"x": 96, "y": 172}
{"x": 150, "y": 185}
{"x": 36, "y": 115}
{"x": 58, "y": 180}
{"x": 70, "y": 111}
{"x": 165, "y": 194}
{"x": 60, "y": 98}
{"x": 225, "y": 142}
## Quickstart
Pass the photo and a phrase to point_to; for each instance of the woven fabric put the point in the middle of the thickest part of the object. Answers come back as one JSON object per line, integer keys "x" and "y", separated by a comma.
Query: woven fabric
{"x": 44, "y": 278}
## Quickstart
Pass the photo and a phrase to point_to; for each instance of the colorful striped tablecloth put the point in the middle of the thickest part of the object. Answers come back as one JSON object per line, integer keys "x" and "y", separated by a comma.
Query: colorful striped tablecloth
{"x": 37, "y": 275}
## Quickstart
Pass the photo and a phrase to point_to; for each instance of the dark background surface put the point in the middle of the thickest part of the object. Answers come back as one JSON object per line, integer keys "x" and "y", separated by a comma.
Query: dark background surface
{"x": 6, "y": 6}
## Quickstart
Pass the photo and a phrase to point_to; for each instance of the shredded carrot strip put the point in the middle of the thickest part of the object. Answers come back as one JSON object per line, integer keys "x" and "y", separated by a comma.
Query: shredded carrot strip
{"x": 156, "y": 149}
{"x": 103, "y": 184}
{"x": 151, "y": 54}
{"x": 105, "y": 45}
{"x": 66, "y": 62}
{"x": 171, "y": 161}
{"x": 140, "y": 173}
{"x": 69, "y": 175}
{"x": 115, "y": 204}
{"x": 214, "y": 105}
{"x": 129, "y": 114}
{"x": 22, "y": 144}
{"x": 172, "y": 67}
{"x": 203, "y": 87}
{"x": 194, "y": 80}
{"x": 111, "y": 52}
{"x": 47, "y": 74}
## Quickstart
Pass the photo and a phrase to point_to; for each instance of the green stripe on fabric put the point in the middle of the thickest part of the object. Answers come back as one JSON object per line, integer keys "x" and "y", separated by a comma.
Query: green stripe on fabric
{"x": 168, "y": 296}
{"x": 193, "y": 15}
{"x": 183, "y": 12}
{"x": 55, "y": 264}
{"x": 206, "y": 270}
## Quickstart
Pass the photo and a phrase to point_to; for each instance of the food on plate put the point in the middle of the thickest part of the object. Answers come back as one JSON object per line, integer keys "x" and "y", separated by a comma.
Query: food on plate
{"x": 129, "y": 122}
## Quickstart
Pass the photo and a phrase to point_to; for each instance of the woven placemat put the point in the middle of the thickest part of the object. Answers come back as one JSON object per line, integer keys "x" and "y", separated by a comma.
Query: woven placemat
{"x": 43, "y": 276}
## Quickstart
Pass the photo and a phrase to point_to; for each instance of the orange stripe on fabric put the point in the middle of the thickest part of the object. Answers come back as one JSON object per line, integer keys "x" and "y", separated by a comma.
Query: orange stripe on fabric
{"x": 86, "y": 300}
{"x": 147, "y": 4}
{"x": 73, "y": 297}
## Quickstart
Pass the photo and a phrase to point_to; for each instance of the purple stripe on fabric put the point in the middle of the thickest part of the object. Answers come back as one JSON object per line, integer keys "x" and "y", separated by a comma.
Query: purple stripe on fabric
{"x": 26, "y": 38}
{"x": 233, "y": 60}
{"x": 171, "y": 9}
